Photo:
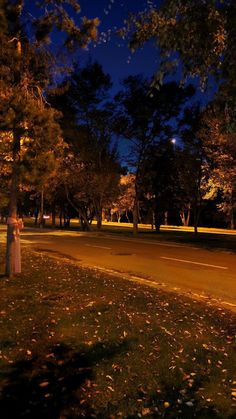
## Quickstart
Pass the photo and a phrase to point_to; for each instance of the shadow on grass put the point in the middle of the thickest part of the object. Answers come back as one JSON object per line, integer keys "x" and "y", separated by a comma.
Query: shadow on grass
{"x": 53, "y": 385}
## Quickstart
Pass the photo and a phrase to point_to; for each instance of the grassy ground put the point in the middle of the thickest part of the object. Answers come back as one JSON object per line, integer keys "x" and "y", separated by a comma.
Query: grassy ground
{"x": 202, "y": 240}
{"x": 76, "y": 343}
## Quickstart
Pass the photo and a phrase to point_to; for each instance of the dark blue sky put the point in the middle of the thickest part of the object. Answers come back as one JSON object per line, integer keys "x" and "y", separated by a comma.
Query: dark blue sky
{"x": 115, "y": 55}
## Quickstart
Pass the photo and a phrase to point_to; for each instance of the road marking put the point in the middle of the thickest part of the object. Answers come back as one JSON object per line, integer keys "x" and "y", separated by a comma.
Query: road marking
{"x": 195, "y": 263}
{"x": 152, "y": 242}
{"x": 100, "y": 247}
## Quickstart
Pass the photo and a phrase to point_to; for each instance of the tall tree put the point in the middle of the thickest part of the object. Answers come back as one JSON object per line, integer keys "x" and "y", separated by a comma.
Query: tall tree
{"x": 192, "y": 163}
{"x": 144, "y": 117}
{"x": 196, "y": 38}
{"x": 24, "y": 78}
{"x": 161, "y": 182}
{"x": 220, "y": 148}
{"x": 87, "y": 128}
{"x": 125, "y": 200}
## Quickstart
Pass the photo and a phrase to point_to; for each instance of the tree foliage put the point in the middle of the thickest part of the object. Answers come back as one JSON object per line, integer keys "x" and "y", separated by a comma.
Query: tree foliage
{"x": 91, "y": 165}
{"x": 24, "y": 77}
{"x": 200, "y": 34}
{"x": 145, "y": 117}
{"x": 220, "y": 148}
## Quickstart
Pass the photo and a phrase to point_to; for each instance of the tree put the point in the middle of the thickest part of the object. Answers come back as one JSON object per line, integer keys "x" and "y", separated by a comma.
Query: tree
{"x": 87, "y": 129}
{"x": 197, "y": 38}
{"x": 197, "y": 34}
{"x": 24, "y": 76}
{"x": 125, "y": 200}
{"x": 220, "y": 148}
{"x": 192, "y": 163}
{"x": 161, "y": 184}
{"x": 144, "y": 117}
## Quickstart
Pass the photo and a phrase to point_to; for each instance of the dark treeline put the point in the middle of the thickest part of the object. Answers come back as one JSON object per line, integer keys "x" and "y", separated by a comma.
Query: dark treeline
{"x": 174, "y": 172}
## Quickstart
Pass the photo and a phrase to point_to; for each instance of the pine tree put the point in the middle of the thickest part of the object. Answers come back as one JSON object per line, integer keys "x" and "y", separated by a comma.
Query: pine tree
{"x": 24, "y": 77}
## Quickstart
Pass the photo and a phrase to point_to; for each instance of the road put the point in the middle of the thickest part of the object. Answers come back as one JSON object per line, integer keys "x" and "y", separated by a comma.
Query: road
{"x": 173, "y": 266}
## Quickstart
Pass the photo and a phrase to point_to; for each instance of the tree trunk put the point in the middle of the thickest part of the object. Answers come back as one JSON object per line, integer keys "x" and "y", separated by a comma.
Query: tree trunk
{"x": 135, "y": 210}
{"x": 153, "y": 219}
{"x": 83, "y": 219}
{"x": 185, "y": 216}
{"x": 84, "y": 225}
{"x": 196, "y": 219}
{"x": 127, "y": 217}
{"x": 12, "y": 212}
{"x": 232, "y": 224}
{"x": 135, "y": 217}
{"x": 53, "y": 215}
{"x": 157, "y": 219}
{"x": 157, "y": 224}
{"x": 188, "y": 216}
{"x": 60, "y": 217}
{"x": 99, "y": 219}
{"x": 232, "y": 221}
{"x": 36, "y": 214}
{"x": 198, "y": 202}
{"x": 41, "y": 222}
{"x": 166, "y": 218}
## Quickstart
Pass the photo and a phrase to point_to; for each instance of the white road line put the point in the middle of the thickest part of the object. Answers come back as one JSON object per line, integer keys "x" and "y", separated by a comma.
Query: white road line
{"x": 195, "y": 263}
{"x": 100, "y": 247}
{"x": 141, "y": 241}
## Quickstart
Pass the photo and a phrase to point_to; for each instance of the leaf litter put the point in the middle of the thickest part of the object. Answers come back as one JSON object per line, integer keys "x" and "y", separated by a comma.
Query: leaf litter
{"x": 91, "y": 345}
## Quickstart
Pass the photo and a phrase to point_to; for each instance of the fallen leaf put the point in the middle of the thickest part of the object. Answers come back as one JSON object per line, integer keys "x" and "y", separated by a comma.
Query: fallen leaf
{"x": 145, "y": 411}
{"x": 44, "y": 384}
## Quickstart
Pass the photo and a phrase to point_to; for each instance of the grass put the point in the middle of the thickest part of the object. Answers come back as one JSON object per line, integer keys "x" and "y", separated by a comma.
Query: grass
{"x": 204, "y": 240}
{"x": 76, "y": 343}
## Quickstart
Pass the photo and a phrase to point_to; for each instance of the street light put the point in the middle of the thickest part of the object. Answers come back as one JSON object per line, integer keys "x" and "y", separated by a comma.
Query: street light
{"x": 173, "y": 141}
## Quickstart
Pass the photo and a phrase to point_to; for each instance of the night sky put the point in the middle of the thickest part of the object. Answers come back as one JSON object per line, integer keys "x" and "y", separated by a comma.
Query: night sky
{"x": 113, "y": 54}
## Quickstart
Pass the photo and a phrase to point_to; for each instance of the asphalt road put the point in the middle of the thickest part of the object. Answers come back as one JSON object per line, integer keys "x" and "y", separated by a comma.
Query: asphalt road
{"x": 176, "y": 267}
